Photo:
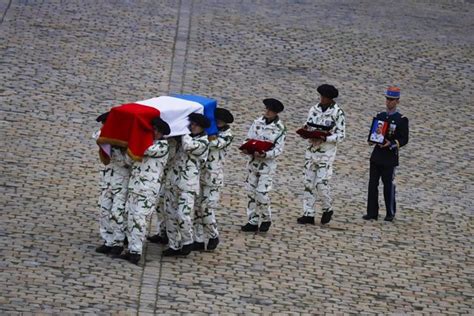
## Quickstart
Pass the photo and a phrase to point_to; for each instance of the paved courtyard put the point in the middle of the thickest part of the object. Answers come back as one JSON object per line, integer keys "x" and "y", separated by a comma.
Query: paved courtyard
{"x": 64, "y": 62}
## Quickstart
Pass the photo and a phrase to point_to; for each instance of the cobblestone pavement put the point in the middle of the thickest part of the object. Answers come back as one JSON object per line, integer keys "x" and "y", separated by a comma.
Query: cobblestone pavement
{"x": 64, "y": 62}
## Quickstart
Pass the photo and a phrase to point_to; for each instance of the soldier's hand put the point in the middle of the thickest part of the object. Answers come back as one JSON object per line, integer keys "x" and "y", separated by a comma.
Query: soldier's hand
{"x": 315, "y": 141}
{"x": 244, "y": 151}
{"x": 212, "y": 137}
{"x": 385, "y": 144}
{"x": 260, "y": 155}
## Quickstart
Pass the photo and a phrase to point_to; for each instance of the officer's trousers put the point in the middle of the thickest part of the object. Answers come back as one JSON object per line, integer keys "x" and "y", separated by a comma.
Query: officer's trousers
{"x": 387, "y": 173}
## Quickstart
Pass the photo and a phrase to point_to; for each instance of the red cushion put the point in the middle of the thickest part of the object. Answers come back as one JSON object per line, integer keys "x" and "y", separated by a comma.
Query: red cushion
{"x": 254, "y": 145}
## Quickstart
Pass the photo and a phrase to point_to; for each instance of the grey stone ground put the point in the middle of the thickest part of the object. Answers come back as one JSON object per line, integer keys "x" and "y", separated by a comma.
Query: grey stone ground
{"x": 64, "y": 62}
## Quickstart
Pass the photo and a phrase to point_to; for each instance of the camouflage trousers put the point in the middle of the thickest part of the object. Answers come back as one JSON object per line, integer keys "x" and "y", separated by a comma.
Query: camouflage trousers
{"x": 112, "y": 216}
{"x": 172, "y": 218}
{"x": 139, "y": 209}
{"x": 258, "y": 207}
{"x": 161, "y": 215}
{"x": 205, "y": 225}
{"x": 316, "y": 185}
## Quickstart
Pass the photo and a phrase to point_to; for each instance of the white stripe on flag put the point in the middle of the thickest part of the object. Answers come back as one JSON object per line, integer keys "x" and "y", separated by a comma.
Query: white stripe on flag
{"x": 174, "y": 111}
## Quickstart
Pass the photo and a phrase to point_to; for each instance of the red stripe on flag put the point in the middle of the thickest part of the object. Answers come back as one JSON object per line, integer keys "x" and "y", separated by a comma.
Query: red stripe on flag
{"x": 129, "y": 126}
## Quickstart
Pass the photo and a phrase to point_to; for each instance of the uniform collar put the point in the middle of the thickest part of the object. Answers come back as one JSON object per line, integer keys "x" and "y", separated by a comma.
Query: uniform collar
{"x": 198, "y": 135}
{"x": 223, "y": 128}
{"x": 264, "y": 120}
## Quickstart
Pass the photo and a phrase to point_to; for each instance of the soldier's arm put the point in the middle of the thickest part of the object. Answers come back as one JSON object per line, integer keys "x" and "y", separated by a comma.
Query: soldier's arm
{"x": 278, "y": 147}
{"x": 222, "y": 141}
{"x": 157, "y": 150}
{"x": 194, "y": 146}
{"x": 402, "y": 137}
{"x": 339, "y": 132}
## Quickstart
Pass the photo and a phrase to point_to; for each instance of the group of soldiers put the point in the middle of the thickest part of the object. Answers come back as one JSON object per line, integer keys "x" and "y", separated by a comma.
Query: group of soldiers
{"x": 181, "y": 177}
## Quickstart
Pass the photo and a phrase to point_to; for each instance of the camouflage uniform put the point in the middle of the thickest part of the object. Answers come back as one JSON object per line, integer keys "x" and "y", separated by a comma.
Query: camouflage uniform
{"x": 113, "y": 185}
{"x": 211, "y": 180}
{"x": 319, "y": 159}
{"x": 143, "y": 192}
{"x": 191, "y": 157}
{"x": 166, "y": 185}
{"x": 261, "y": 170}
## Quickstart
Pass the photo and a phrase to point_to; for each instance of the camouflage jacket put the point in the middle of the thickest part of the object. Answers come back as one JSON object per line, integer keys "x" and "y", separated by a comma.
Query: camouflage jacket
{"x": 191, "y": 157}
{"x": 146, "y": 175}
{"x": 274, "y": 132}
{"x": 333, "y": 116}
{"x": 212, "y": 173}
{"x": 170, "y": 173}
{"x": 116, "y": 174}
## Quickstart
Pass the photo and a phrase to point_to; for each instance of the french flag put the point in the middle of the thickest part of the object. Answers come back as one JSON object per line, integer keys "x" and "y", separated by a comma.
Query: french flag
{"x": 129, "y": 125}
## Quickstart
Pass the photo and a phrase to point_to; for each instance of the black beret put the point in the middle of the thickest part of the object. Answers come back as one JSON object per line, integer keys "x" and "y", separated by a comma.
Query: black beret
{"x": 223, "y": 115}
{"x": 328, "y": 91}
{"x": 102, "y": 117}
{"x": 200, "y": 120}
{"x": 161, "y": 125}
{"x": 273, "y": 105}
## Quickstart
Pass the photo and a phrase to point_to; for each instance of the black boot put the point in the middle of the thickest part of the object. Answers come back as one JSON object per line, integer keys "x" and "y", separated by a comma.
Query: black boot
{"x": 389, "y": 218}
{"x": 367, "y": 217}
{"x": 198, "y": 246}
{"x": 125, "y": 255}
{"x": 212, "y": 244}
{"x": 264, "y": 227}
{"x": 186, "y": 249}
{"x": 305, "y": 220}
{"x": 134, "y": 258}
{"x": 249, "y": 228}
{"x": 116, "y": 251}
{"x": 170, "y": 252}
{"x": 326, "y": 218}
{"x": 103, "y": 249}
{"x": 158, "y": 239}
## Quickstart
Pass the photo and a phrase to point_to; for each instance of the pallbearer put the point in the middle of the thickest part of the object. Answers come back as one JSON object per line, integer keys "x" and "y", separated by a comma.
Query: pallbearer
{"x": 113, "y": 184}
{"x": 191, "y": 157}
{"x": 144, "y": 188}
{"x": 211, "y": 180}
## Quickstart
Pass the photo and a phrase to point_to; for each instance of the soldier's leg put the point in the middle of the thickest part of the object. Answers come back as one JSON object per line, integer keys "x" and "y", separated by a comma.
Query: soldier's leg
{"x": 161, "y": 214}
{"x": 373, "y": 195}
{"x": 251, "y": 183}
{"x": 172, "y": 225}
{"x": 141, "y": 207}
{"x": 323, "y": 175}
{"x": 119, "y": 215}
{"x": 209, "y": 208}
{"x": 185, "y": 209}
{"x": 309, "y": 194}
{"x": 388, "y": 179}
{"x": 198, "y": 229}
{"x": 105, "y": 217}
{"x": 262, "y": 197}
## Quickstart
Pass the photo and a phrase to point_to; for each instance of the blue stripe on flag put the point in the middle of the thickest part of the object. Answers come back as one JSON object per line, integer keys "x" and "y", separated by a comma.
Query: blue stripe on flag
{"x": 209, "y": 108}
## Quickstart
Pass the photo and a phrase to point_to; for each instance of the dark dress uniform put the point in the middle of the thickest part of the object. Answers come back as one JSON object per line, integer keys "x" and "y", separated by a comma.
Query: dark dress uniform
{"x": 383, "y": 163}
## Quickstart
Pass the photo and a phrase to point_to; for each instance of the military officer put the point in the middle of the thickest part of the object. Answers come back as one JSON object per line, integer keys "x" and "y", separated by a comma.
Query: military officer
{"x": 384, "y": 158}
{"x": 191, "y": 156}
{"x": 144, "y": 188}
{"x": 320, "y": 154}
{"x": 211, "y": 180}
{"x": 262, "y": 166}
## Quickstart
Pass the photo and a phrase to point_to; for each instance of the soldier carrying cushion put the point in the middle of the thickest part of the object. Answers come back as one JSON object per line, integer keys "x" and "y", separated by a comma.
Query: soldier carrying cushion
{"x": 321, "y": 153}
{"x": 262, "y": 166}
{"x": 211, "y": 180}
{"x": 144, "y": 188}
{"x": 191, "y": 156}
